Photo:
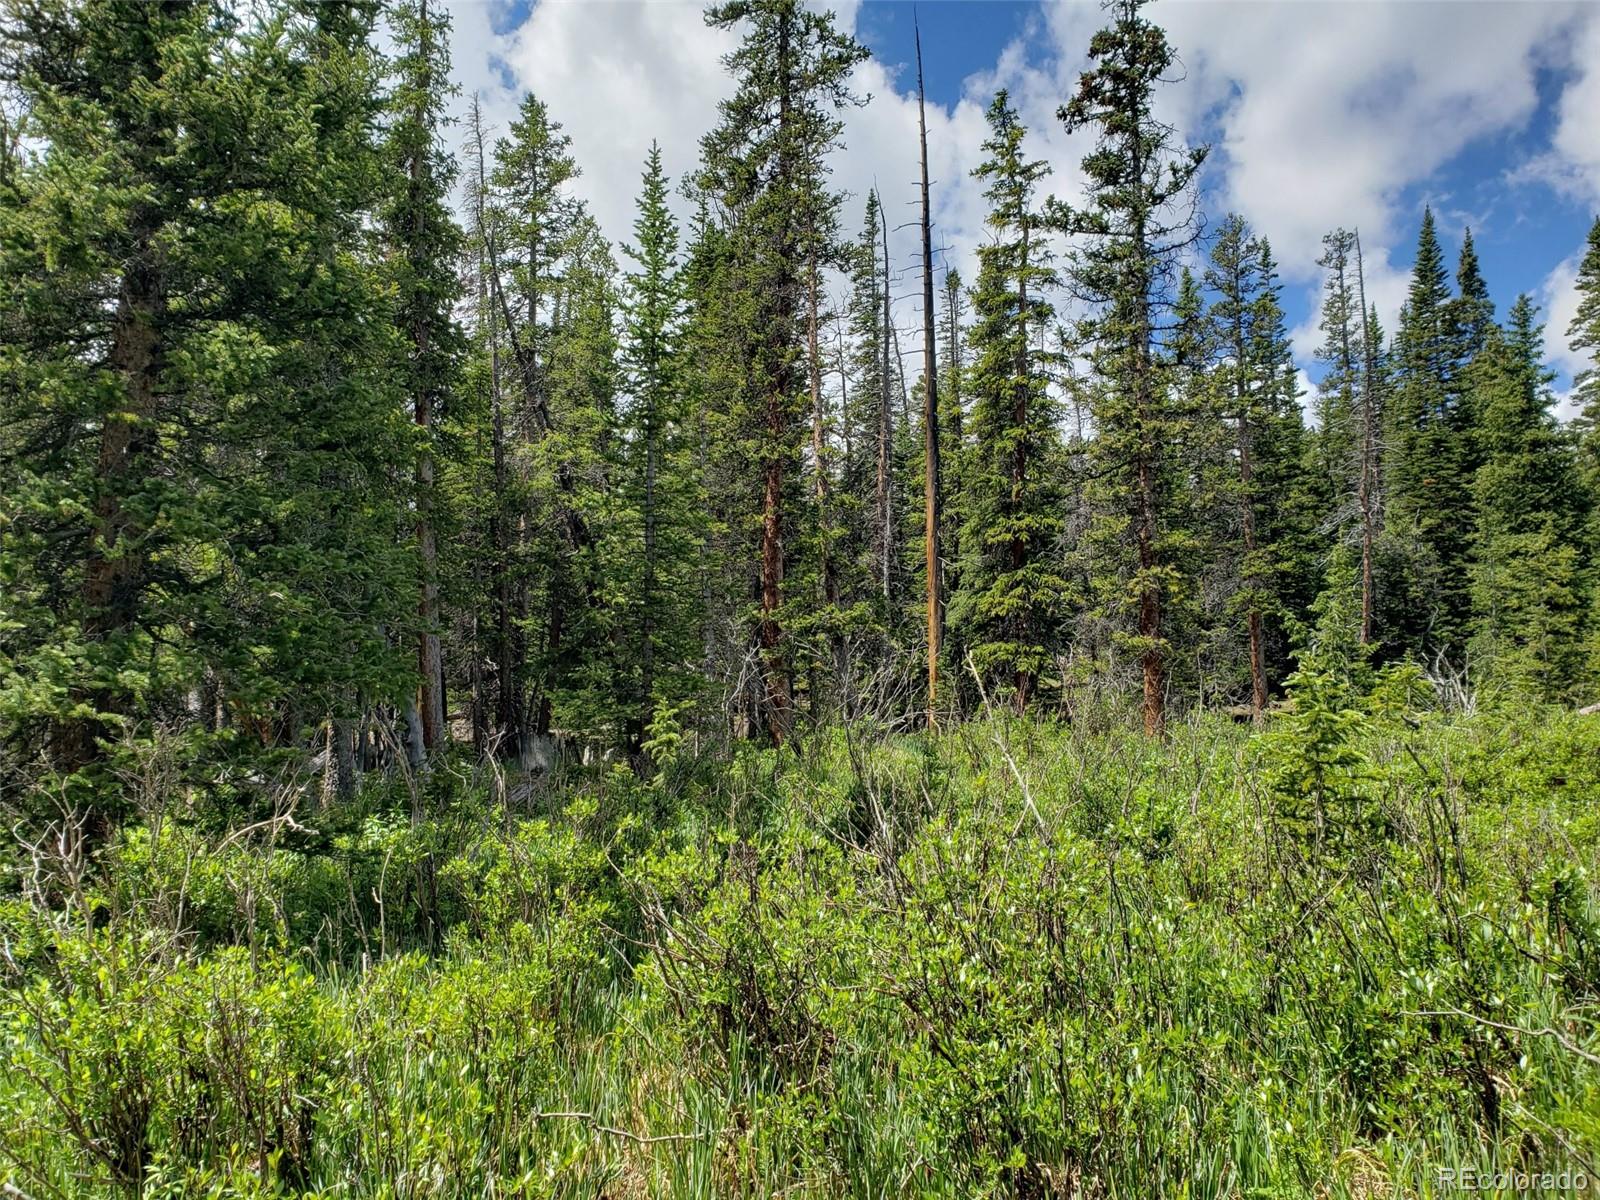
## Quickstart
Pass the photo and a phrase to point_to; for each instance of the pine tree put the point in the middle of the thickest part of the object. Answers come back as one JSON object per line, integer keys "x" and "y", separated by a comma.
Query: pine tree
{"x": 660, "y": 491}
{"x": 577, "y": 663}
{"x": 424, "y": 246}
{"x": 871, "y": 470}
{"x": 1256, "y": 379}
{"x": 1369, "y": 449}
{"x": 1528, "y": 560}
{"x": 200, "y": 446}
{"x": 1338, "y": 393}
{"x": 1427, "y": 467}
{"x": 1583, "y": 335}
{"x": 1008, "y": 606}
{"x": 1473, "y": 310}
{"x": 535, "y": 226}
{"x": 1202, "y": 533}
{"x": 1137, "y": 221}
{"x": 762, "y": 169}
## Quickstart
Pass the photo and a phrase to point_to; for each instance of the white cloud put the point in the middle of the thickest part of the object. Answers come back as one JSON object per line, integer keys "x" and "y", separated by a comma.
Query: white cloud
{"x": 1572, "y": 163}
{"x": 1558, "y": 297}
{"x": 1322, "y": 112}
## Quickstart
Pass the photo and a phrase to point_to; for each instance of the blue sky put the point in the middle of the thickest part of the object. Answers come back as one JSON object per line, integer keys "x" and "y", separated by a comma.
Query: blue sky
{"x": 1320, "y": 113}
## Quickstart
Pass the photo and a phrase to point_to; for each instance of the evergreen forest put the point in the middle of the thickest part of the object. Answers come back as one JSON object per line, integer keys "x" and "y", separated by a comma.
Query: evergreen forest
{"x": 491, "y": 710}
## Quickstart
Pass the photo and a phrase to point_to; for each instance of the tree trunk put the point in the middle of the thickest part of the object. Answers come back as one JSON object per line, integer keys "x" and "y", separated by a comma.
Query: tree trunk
{"x": 930, "y": 418}
{"x": 1367, "y": 490}
{"x": 1019, "y": 457}
{"x": 115, "y": 569}
{"x": 885, "y": 437}
{"x": 346, "y": 775}
{"x": 819, "y": 452}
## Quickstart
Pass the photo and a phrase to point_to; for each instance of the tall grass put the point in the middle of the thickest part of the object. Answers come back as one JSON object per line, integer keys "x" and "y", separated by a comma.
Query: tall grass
{"x": 1015, "y": 959}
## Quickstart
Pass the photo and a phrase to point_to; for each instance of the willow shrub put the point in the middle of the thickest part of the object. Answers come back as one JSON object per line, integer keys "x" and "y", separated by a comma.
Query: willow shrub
{"x": 1020, "y": 959}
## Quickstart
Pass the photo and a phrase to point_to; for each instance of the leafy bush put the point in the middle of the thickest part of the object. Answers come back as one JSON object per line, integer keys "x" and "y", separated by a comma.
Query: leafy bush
{"x": 1019, "y": 959}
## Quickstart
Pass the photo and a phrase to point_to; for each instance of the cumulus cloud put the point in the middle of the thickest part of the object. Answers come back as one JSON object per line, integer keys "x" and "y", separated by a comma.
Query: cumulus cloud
{"x": 1558, "y": 297}
{"x": 1571, "y": 164}
{"x": 1321, "y": 113}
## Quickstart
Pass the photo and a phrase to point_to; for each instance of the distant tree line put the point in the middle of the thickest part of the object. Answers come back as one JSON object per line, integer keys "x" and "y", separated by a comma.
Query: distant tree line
{"x": 330, "y": 427}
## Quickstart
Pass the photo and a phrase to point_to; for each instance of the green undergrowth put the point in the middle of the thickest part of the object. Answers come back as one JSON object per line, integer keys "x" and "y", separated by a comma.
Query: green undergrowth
{"x": 1327, "y": 959}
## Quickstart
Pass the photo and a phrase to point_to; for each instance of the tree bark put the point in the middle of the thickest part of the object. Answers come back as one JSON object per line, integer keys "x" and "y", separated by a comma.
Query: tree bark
{"x": 116, "y": 565}
{"x": 819, "y": 453}
{"x": 885, "y": 435}
{"x": 930, "y": 416}
{"x": 1368, "y": 488}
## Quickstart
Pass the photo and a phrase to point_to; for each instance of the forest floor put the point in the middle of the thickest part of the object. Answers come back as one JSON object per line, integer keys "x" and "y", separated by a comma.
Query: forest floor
{"x": 1337, "y": 958}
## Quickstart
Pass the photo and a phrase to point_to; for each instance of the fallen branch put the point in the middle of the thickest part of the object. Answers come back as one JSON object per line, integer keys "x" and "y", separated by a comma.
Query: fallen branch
{"x": 637, "y": 1138}
{"x": 1566, "y": 1042}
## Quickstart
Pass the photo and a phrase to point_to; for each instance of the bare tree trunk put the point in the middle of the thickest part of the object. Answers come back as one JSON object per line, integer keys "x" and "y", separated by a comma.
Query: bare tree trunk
{"x": 416, "y": 753}
{"x": 342, "y": 733}
{"x": 510, "y": 713}
{"x": 1019, "y": 457}
{"x": 819, "y": 452}
{"x": 1368, "y": 488}
{"x": 885, "y": 436}
{"x": 931, "y": 515}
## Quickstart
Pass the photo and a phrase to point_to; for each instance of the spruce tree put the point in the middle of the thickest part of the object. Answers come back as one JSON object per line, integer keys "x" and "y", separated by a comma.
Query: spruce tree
{"x": 1256, "y": 380}
{"x": 1528, "y": 559}
{"x": 1011, "y": 591}
{"x": 424, "y": 245}
{"x": 660, "y": 491}
{"x": 870, "y": 470}
{"x": 1369, "y": 448}
{"x": 1583, "y": 335}
{"x": 1338, "y": 392}
{"x": 1428, "y": 460}
{"x": 1136, "y": 223}
{"x": 762, "y": 170}
{"x": 200, "y": 446}
{"x": 534, "y": 227}
{"x": 577, "y": 662}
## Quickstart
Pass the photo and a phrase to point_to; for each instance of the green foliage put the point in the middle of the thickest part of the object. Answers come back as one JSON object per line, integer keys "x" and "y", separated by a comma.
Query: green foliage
{"x": 1011, "y": 593}
{"x": 1134, "y": 225}
{"x": 180, "y": 502}
{"x": 1316, "y": 766}
{"x": 1431, "y": 445}
{"x": 1343, "y": 952}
